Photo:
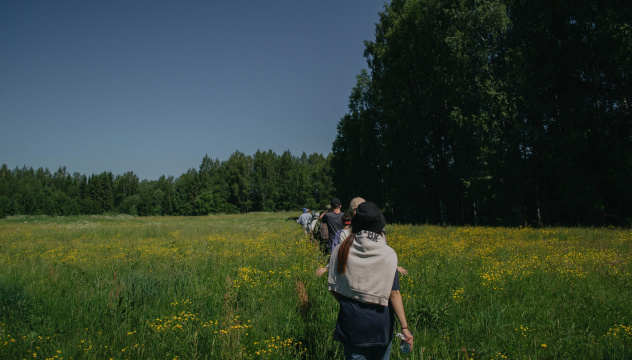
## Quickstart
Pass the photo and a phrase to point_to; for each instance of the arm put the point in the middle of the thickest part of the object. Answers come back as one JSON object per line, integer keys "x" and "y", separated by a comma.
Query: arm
{"x": 398, "y": 307}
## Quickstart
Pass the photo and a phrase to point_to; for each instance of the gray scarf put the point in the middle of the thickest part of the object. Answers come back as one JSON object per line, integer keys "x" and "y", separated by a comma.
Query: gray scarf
{"x": 371, "y": 267}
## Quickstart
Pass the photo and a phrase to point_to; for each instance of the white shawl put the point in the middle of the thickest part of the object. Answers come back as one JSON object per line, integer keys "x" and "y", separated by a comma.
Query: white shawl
{"x": 371, "y": 267}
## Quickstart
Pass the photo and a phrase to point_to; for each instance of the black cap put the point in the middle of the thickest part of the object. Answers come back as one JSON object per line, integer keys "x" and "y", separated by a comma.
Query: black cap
{"x": 368, "y": 217}
{"x": 335, "y": 202}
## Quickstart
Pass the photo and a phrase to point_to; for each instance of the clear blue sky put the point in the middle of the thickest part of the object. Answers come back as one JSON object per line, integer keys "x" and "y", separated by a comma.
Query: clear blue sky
{"x": 152, "y": 86}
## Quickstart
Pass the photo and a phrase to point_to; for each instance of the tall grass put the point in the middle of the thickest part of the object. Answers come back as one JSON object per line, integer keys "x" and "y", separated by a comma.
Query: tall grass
{"x": 496, "y": 293}
{"x": 242, "y": 286}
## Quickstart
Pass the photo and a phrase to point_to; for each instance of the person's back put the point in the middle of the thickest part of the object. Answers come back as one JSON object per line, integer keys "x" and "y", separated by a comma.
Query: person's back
{"x": 369, "y": 300}
{"x": 304, "y": 219}
{"x": 311, "y": 227}
{"x": 333, "y": 220}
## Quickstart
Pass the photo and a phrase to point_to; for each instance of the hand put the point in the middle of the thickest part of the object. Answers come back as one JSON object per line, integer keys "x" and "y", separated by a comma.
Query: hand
{"x": 409, "y": 337}
{"x": 321, "y": 270}
{"x": 402, "y": 270}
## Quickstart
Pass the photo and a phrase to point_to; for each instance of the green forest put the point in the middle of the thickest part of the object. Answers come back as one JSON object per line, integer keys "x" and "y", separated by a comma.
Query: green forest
{"x": 493, "y": 112}
{"x": 264, "y": 181}
{"x": 496, "y": 112}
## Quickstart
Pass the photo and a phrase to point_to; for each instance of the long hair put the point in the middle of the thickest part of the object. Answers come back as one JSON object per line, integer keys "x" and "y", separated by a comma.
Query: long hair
{"x": 343, "y": 253}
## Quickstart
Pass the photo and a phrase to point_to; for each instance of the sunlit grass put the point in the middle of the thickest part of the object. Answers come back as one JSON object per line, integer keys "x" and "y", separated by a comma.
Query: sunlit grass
{"x": 243, "y": 286}
{"x": 520, "y": 293}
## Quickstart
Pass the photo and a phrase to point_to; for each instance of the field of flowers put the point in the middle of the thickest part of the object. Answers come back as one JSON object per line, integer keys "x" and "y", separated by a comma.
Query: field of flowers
{"x": 243, "y": 287}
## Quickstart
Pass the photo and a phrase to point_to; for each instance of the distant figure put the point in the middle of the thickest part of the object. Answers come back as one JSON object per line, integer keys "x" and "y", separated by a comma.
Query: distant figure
{"x": 305, "y": 219}
{"x": 323, "y": 234}
{"x": 311, "y": 228}
{"x": 333, "y": 220}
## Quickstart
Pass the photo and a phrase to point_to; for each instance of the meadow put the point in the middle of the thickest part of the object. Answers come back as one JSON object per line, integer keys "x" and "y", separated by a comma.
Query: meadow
{"x": 243, "y": 287}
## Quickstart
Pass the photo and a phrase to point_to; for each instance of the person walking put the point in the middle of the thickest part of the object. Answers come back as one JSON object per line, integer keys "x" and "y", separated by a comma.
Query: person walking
{"x": 363, "y": 279}
{"x": 311, "y": 228}
{"x": 304, "y": 219}
{"x": 333, "y": 220}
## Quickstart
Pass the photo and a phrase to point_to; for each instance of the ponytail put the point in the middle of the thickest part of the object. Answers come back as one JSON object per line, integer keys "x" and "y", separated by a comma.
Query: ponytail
{"x": 343, "y": 253}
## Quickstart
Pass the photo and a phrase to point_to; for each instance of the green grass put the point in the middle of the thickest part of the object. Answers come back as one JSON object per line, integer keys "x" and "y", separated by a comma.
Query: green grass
{"x": 243, "y": 286}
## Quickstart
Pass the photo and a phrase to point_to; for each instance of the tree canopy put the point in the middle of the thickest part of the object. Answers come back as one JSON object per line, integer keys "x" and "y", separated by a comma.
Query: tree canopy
{"x": 242, "y": 183}
{"x": 496, "y": 112}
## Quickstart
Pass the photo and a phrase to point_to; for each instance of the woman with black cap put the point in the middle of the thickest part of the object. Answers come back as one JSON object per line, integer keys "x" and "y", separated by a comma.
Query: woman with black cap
{"x": 363, "y": 278}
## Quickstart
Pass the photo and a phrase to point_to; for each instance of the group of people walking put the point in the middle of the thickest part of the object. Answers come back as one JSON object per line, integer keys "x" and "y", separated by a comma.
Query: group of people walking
{"x": 363, "y": 276}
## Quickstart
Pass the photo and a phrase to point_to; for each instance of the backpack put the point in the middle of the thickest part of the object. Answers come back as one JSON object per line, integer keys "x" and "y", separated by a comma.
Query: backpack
{"x": 324, "y": 232}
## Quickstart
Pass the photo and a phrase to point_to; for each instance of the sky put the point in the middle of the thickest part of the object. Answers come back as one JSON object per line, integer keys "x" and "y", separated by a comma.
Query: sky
{"x": 152, "y": 86}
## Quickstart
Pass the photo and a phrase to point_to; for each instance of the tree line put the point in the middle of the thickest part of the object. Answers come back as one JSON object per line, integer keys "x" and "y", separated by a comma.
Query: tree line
{"x": 494, "y": 112}
{"x": 264, "y": 181}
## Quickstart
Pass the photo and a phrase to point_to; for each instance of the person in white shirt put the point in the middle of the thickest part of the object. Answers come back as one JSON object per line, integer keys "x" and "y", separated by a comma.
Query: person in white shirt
{"x": 305, "y": 219}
